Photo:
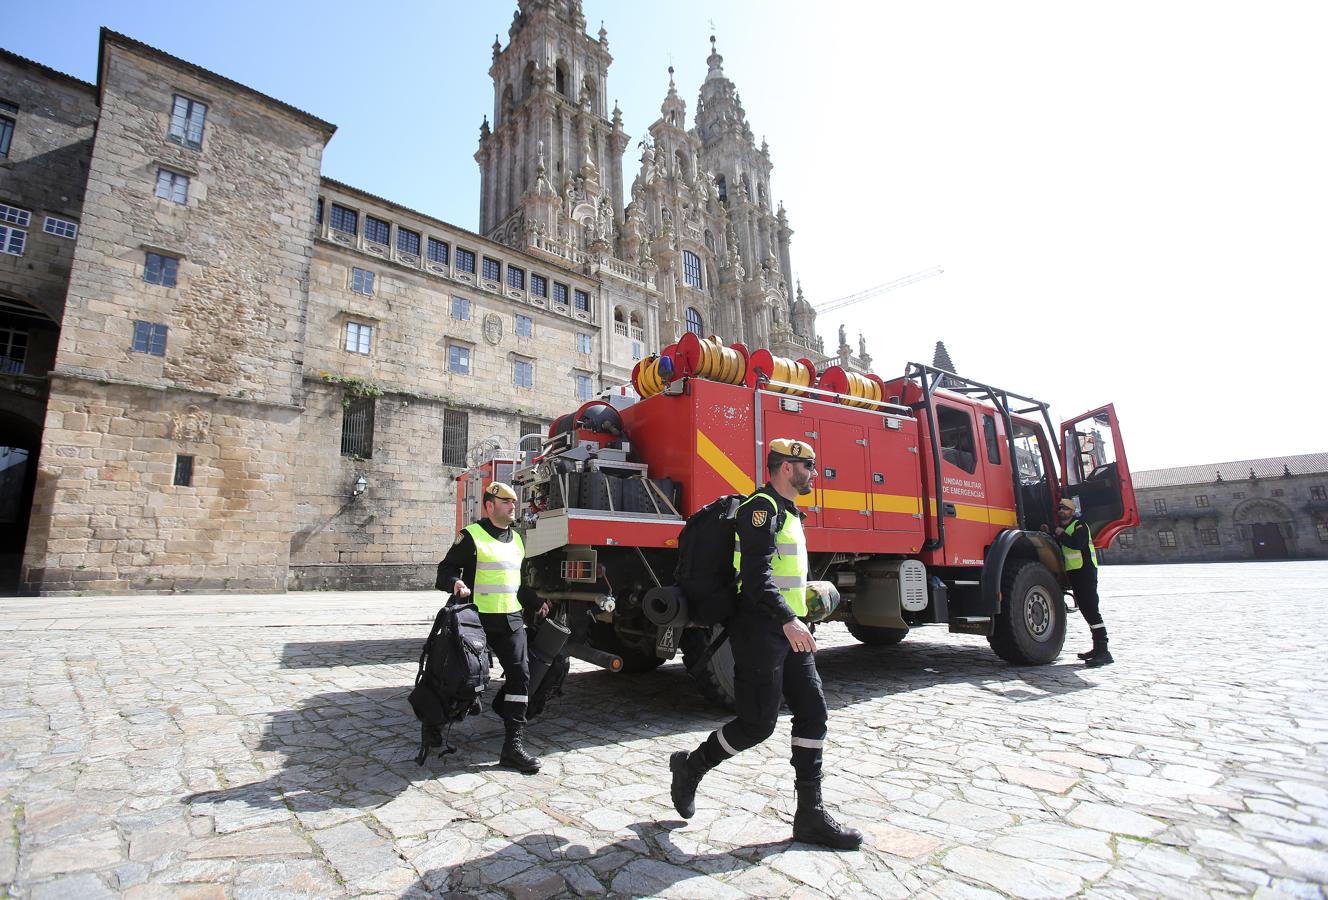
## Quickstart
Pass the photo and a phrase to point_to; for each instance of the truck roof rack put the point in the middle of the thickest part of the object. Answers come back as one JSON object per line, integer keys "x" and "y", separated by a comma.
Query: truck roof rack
{"x": 932, "y": 379}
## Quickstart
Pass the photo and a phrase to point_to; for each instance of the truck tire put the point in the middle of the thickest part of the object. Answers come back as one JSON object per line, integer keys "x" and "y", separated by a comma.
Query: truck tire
{"x": 636, "y": 658}
{"x": 1030, "y": 628}
{"x": 715, "y": 678}
{"x": 875, "y": 636}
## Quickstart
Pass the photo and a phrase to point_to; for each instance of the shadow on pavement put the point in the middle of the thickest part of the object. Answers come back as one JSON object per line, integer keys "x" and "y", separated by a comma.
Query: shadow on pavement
{"x": 552, "y": 864}
{"x": 356, "y": 748}
{"x": 326, "y": 654}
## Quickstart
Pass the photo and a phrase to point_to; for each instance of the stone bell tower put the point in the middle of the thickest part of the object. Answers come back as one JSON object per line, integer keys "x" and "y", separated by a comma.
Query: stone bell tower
{"x": 551, "y": 162}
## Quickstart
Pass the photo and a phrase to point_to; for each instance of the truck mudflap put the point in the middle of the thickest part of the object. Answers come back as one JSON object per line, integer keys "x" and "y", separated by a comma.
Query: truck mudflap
{"x": 1023, "y": 544}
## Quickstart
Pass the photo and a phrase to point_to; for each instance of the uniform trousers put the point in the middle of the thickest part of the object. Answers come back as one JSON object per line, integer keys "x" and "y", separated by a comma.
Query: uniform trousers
{"x": 1084, "y": 584}
{"x": 506, "y": 633}
{"x": 766, "y": 670}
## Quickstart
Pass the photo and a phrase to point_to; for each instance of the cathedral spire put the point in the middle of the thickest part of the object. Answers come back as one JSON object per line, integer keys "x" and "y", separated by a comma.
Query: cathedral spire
{"x": 715, "y": 62}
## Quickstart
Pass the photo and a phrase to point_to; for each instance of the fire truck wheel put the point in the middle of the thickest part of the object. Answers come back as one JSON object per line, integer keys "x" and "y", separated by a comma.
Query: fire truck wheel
{"x": 635, "y": 658}
{"x": 1030, "y": 630}
{"x": 875, "y": 636}
{"x": 715, "y": 679}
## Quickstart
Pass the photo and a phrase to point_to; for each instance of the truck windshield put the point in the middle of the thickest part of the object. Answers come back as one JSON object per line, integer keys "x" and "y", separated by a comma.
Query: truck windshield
{"x": 1028, "y": 453}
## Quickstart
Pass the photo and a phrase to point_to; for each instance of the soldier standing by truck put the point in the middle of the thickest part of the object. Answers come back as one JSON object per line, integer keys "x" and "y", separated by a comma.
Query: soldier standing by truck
{"x": 488, "y": 555}
{"x": 1080, "y": 558}
{"x": 773, "y": 650}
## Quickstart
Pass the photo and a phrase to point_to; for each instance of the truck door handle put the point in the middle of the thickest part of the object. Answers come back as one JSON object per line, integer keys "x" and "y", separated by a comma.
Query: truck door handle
{"x": 950, "y": 510}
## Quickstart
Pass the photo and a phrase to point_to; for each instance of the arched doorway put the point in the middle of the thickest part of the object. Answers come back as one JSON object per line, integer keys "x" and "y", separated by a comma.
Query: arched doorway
{"x": 1267, "y": 525}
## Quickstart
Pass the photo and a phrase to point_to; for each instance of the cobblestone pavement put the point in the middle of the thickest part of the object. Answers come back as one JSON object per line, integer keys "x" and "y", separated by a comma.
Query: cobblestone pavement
{"x": 261, "y": 746}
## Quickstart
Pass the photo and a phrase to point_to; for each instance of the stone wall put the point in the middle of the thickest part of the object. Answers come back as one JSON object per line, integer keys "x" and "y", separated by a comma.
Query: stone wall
{"x": 1228, "y": 512}
{"x": 106, "y": 516}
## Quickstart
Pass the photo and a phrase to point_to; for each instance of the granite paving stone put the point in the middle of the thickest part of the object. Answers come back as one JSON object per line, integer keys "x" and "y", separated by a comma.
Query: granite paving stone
{"x": 245, "y": 746}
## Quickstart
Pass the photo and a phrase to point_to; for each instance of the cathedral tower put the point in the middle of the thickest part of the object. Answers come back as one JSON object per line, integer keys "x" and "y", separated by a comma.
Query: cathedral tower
{"x": 551, "y": 163}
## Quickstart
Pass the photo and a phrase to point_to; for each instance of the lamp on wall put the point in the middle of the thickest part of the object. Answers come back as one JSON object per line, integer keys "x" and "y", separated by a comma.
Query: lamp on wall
{"x": 360, "y": 486}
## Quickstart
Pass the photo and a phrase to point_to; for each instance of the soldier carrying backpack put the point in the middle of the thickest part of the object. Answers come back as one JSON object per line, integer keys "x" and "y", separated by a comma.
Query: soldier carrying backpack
{"x": 484, "y": 565}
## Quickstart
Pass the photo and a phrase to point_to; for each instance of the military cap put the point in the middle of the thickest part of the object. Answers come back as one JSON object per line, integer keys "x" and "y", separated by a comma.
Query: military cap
{"x": 500, "y": 490}
{"x": 793, "y": 449}
{"x": 1067, "y": 503}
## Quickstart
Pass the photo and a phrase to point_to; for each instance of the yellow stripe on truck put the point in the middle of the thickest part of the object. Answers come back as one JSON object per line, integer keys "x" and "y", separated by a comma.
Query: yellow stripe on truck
{"x": 993, "y": 515}
{"x": 723, "y": 466}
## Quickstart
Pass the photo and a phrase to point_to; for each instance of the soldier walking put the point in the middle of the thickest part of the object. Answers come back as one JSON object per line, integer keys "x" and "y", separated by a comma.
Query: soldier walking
{"x": 773, "y": 650}
{"x": 488, "y": 555}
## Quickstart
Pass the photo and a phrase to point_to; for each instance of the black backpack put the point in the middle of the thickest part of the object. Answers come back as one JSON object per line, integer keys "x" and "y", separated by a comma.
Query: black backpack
{"x": 705, "y": 561}
{"x": 453, "y": 673}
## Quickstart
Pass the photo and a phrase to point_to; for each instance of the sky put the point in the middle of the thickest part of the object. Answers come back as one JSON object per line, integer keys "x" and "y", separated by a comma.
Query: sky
{"x": 1129, "y": 200}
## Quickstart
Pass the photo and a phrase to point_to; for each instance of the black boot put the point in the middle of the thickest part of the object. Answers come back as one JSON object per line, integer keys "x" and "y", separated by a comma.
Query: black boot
{"x": 514, "y": 755}
{"x": 687, "y": 768}
{"x": 813, "y": 825}
{"x": 1099, "y": 655}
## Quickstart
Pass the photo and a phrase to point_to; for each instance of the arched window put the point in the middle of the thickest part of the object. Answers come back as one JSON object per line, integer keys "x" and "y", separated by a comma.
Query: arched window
{"x": 560, "y": 78}
{"x": 694, "y": 323}
{"x": 723, "y": 186}
{"x": 619, "y": 322}
{"x": 682, "y": 163}
{"x": 691, "y": 268}
{"x": 528, "y": 80}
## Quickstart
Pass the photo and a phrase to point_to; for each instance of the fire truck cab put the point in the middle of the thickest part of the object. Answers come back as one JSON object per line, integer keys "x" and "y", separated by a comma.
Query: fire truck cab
{"x": 929, "y": 506}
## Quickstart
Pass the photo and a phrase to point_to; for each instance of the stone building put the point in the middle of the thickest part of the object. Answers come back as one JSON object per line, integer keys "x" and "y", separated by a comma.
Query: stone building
{"x": 224, "y": 370}
{"x": 1274, "y": 508}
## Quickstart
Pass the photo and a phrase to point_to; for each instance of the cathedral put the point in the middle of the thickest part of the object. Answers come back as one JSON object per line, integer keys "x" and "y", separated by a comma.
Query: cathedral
{"x": 221, "y": 369}
{"x": 696, "y": 246}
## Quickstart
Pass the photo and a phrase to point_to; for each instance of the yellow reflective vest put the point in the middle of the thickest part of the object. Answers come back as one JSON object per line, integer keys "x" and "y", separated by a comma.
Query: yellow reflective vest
{"x": 497, "y": 570}
{"x": 788, "y": 567}
{"x": 1074, "y": 559}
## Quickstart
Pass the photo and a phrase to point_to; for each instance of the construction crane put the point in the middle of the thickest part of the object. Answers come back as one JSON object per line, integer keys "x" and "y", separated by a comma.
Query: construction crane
{"x": 870, "y": 292}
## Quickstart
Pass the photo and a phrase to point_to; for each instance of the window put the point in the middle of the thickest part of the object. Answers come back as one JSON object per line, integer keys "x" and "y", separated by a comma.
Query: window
{"x": 344, "y": 219}
{"x": 691, "y": 268}
{"x": 523, "y": 373}
{"x": 362, "y": 281}
{"x": 1208, "y": 537}
{"x": 1126, "y": 539}
{"x": 989, "y": 437}
{"x": 539, "y": 285}
{"x": 456, "y": 428}
{"x": 184, "y": 471}
{"x": 529, "y": 427}
{"x": 13, "y": 350}
{"x": 187, "y": 122}
{"x": 584, "y": 388}
{"x": 458, "y": 359}
{"x": 461, "y": 308}
{"x": 956, "y": 433}
{"x": 525, "y": 326}
{"x": 465, "y": 261}
{"x": 1160, "y": 506}
{"x": 516, "y": 278}
{"x": 1200, "y": 499}
{"x": 1322, "y": 527}
{"x": 721, "y": 183}
{"x": 357, "y": 427}
{"x": 60, "y": 227}
{"x": 1166, "y": 538}
{"x": 149, "y": 337}
{"x": 1278, "y": 492}
{"x": 1238, "y": 495}
{"x": 1318, "y": 492}
{"x": 359, "y": 337}
{"x": 376, "y": 230}
{"x": 8, "y": 120}
{"x": 408, "y": 241}
{"x": 172, "y": 186}
{"x": 560, "y": 294}
{"x": 491, "y": 270}
{"x": 437, "y": 251}
{"x": 582, "y": 301}
{"x": 638, "y": 350}
{"x": 160, "y": 269}
{"x": 582, "y": 343}
{"x": 13, "y": 239}
{"x": 318, "y": 212}
{"x": 694, "y": 323}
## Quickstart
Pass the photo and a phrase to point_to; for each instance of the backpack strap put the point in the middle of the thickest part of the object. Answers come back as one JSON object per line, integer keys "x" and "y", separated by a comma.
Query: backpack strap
{"x": 424, "y": 651}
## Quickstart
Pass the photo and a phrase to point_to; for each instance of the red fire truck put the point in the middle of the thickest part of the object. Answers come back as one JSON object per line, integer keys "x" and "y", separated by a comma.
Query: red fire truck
{"x": 928, "y": 508}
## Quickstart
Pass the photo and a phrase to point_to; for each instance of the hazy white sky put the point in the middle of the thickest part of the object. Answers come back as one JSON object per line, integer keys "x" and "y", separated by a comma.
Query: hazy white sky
{"x": 1129, "y": 200}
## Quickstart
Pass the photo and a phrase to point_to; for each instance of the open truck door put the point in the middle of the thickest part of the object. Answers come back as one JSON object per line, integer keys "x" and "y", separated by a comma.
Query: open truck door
{"x": 1095, "y": 472}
